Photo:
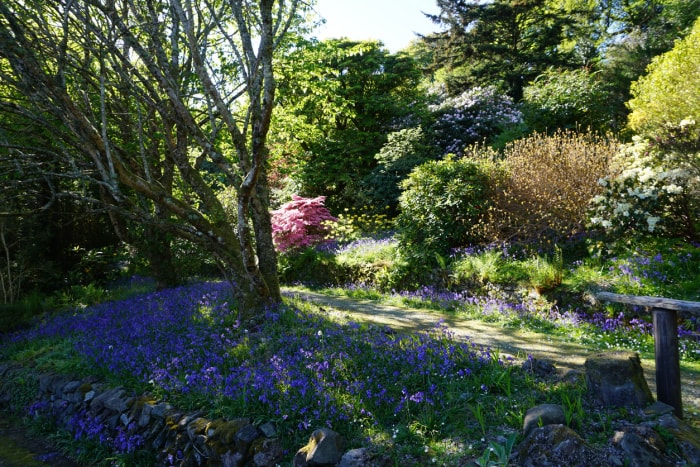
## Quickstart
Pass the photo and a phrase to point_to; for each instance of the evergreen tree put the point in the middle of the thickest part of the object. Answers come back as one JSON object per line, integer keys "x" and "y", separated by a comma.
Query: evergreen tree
{"x": 508, "y": 42}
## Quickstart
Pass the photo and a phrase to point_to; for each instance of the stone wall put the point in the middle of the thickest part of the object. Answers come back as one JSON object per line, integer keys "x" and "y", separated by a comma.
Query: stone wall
{"x": 127, "y": 421}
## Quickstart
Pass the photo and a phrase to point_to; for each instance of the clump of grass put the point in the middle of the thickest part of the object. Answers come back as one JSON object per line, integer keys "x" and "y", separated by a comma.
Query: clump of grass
{"x": 545, "y": 272}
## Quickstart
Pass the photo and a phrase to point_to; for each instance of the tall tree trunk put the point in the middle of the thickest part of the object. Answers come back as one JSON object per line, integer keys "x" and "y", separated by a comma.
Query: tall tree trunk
{"x": 94, "y": 65}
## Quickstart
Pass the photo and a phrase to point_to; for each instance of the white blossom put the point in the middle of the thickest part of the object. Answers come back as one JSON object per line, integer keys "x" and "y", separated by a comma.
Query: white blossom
{"x": 651, "y": 222}
{"x": 673, "y": 189}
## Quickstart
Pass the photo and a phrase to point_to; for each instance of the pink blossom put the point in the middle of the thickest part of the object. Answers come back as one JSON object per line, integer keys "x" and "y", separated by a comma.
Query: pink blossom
{"x": 300, "y": 223}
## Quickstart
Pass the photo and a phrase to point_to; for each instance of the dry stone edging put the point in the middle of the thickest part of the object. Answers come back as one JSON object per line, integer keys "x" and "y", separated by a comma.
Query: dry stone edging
{"x": 175, "y": 437}
{"x": 614, "y": 379}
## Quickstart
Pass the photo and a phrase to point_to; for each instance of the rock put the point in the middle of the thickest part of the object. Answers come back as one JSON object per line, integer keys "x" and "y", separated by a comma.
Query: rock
{"x": 112, "y": 399}
{"x": 616, "y": 379}
{"x": 89, "y": 396}
{"x": 270, "y": 454}
{"x": 543, "y": 415}
{"x": 145, "y": 415}
{"x": 657, "y": 409}
{"x": 642, "y": 446}
{"x": 268, "y": 429}
{"x": 557, "y": 445}
{"x": 232, "y": 459}
{"x": 685, "y": 436}
{"x": 323, "y": 449}
{"x": 160, "y": 410}
{"x": 356, "y": 458}
{"x": 539, "y": 367}
{"x": 245, "y": 437}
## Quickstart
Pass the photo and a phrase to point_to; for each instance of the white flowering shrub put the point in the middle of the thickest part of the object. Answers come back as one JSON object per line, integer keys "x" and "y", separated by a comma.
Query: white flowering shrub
{"x": 475, "y": 115}
{"x": 654, "y": 185}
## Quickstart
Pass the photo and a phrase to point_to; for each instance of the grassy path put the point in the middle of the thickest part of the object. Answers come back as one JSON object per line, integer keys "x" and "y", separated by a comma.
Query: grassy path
{"x": 19, "y": 448}
{"x": 518, "y": 343}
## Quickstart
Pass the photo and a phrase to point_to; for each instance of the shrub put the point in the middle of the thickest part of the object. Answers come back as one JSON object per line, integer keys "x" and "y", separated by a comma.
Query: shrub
{"x": 403, "y": 151}
{"x": 670, "y": 91}
{"x": 544, "y": 185}
{"x": 356, "y": 223}
{"x": 441, "y": 203}
{"x": 310, "y": 266}
{"x": 474, "y": 115}
{"x": 566, "y": 99}
{"x": 371, "y": 262}
{"x": 300, "y": 223}
{"x": 654, "y": 185}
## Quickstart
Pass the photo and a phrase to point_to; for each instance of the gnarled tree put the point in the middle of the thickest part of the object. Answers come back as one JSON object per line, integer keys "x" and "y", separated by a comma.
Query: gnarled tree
{"x": 156, "y": 103}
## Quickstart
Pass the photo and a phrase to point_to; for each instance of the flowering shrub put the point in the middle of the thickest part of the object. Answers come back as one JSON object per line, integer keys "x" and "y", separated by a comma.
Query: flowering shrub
{"x": 356, "y": 223}
{"x": 300, "y": 223}
{"x": 654, "y": 185}
{"x": 476, "y": 114}
{"x": 544, "y": 185}
{"x": 403, "y": 151}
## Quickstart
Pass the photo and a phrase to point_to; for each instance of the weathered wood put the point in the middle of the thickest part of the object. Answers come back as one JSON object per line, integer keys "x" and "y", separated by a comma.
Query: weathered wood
{"x": 668, "y": 369}
{"x": 650, "y": 302}
{"x": 665, "y": 322}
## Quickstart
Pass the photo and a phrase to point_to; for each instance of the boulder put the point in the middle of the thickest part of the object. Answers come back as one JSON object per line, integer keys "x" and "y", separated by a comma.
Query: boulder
{"x": 616, "y": 379}
{"x": 539, "y": 367}
{"x": 270, "y": 453}
{"x": 558, "y": 445}
{"x": 641, "y": 445}
{"x": 685, "y": 437}
{"x": 356, "y": 458}
{"x": 543, "y": 415}
{"x": 325, "y": 448}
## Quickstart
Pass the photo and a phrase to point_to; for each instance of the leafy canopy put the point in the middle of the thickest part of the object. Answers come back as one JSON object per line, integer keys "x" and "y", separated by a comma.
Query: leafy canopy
{"x": 338, "y": 99}
{"x": 501, "y": 42}
{"x": 670, "y": 91}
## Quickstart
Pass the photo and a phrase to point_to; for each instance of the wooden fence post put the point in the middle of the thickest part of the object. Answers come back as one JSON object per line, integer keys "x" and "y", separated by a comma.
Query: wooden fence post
{"x": 668, "y": 369}
{"x": 665, "y": 316}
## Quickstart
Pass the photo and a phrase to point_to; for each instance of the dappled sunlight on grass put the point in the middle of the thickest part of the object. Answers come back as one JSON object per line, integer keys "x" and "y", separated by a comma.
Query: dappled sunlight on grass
{"x": 402, "y": 393}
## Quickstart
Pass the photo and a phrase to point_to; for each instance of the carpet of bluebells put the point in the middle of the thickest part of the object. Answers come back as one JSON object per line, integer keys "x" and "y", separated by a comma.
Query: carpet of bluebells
{"x": 298, "y": 369}
{"x": 302, "y": 371}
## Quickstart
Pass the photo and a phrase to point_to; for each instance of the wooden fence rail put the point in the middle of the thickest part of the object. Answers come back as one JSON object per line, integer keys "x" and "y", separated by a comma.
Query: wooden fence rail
{"x": 665, "y": 327}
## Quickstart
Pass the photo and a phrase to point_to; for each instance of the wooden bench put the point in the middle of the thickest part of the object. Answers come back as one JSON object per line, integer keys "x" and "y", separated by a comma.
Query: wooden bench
{"x": 665, "y": 327}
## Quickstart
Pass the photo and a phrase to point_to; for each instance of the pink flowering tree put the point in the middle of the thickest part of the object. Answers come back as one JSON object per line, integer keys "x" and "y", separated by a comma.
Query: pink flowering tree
{"x": 300, "y": 223}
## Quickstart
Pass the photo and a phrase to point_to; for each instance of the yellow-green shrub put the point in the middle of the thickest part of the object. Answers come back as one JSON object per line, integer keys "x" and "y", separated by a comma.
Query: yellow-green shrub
{"x": 356, "y": 223}
{"x": 544, "y": 184}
